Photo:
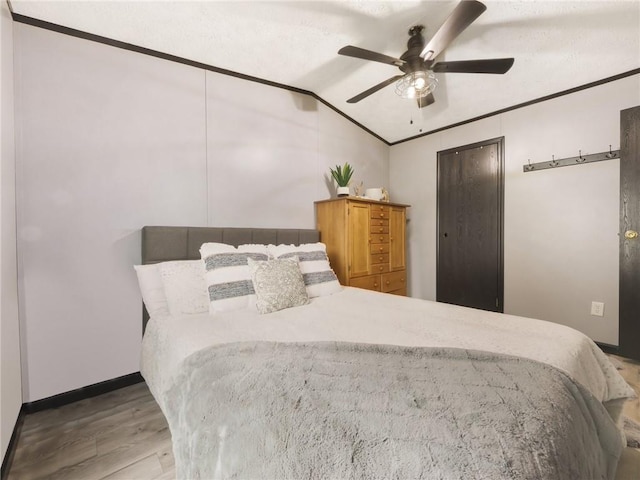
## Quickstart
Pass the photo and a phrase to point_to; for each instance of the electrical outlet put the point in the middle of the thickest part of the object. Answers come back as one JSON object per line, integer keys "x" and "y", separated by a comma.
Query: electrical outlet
{"x": 597, "y": 309}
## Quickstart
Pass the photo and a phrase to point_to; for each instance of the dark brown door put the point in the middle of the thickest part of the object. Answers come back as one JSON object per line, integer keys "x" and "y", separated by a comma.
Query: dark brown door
{"x": 629, "y": 236}
{"x": 470, "y": 204}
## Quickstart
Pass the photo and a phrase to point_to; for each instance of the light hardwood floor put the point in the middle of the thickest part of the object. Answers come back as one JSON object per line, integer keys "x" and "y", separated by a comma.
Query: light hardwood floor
{"x": 123, "y": 435}
{"x": 118, "y": 435}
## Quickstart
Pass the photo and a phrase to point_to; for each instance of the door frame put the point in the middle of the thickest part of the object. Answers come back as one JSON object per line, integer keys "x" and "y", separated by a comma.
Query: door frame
{"x": 499, "y": 142}
{"x": 629, "y": 249}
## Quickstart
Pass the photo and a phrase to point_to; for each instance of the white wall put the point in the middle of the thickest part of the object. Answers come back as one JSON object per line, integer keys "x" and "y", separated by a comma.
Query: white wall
{"x": 110, "y": 141}
{"x": 269, "y": 151}
{"x": 561, "y": 226}
{"x": 10, "y": 377}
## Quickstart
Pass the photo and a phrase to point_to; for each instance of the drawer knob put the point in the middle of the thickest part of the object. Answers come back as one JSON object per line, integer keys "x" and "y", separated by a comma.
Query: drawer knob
{"x": 382, "y": 214}
{"x": 381, "y": 238}
{"x": 381, "y": 267}
{"x": 388, "y": 282}
{"x": 381, "y": 258}
{"x": 381, "y": 229}
{"x": 381, "y": 249}
{"x": 375, "y": 284}
{"x": 402, "y": 279}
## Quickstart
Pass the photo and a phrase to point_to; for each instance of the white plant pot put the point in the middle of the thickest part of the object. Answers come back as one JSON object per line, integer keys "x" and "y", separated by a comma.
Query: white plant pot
{"x": 343, "y": 191}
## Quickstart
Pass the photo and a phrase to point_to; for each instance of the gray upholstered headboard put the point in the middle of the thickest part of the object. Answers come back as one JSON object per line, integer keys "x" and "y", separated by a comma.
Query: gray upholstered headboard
{"x": 162, "y": 244}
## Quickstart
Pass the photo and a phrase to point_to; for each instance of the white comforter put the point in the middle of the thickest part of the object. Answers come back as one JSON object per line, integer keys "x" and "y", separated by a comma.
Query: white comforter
{"x": 355, "y": 315}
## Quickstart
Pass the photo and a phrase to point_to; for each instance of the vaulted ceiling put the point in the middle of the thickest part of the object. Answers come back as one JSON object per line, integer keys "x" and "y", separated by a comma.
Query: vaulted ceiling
{"x": 557, "y": 45}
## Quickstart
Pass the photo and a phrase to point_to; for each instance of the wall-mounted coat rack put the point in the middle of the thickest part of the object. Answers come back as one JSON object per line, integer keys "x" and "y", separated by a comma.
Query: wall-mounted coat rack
{"x": 565, "y": 162}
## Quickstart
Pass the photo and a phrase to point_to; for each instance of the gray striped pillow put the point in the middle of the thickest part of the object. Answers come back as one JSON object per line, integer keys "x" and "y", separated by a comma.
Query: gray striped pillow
{"x": 228, "y": 275}
{"x": 319, "y": 277}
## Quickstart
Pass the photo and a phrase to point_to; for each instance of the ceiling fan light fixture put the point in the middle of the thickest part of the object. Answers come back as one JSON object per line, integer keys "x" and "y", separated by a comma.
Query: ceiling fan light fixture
{"x": 417, "y": 84}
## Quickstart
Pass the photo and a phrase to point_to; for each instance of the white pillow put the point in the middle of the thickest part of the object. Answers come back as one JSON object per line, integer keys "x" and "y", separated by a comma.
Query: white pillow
{"x": 278, "y": 284}
{"x": 228, "y": 276}
{"x": 184, "y": 286}
{"x": 318, "y": 275}
{"x": 152, "y": 290}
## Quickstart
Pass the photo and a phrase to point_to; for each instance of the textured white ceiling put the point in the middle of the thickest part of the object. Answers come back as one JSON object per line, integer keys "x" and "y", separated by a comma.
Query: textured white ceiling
{"x": 557, "y": 45}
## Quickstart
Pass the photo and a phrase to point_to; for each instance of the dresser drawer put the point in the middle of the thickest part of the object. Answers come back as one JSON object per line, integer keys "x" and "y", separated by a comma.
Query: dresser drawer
{"x": 377, "y": 229}
{"x": 379, "y": 211}
{"x": 379, "y": 238}
{"x": 371, "y": 282}
{"x": 380, "y": 268}
{"x": 379, "y": 248}
{"x": 379, "y": 258}
{"x": 379, "y": 222}
{"x": 394, "y": 281}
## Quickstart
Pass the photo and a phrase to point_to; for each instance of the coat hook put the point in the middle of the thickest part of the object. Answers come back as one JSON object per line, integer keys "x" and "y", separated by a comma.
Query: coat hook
{"x": 580, "y": 159}
{"x": 610, "y": 154}
{"x": 529, "y": 167}
{"x": 553, "y": 163}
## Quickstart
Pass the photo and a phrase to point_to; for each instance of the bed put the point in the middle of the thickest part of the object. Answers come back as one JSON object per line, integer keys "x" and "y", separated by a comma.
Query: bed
{"x": 360, "y": 384}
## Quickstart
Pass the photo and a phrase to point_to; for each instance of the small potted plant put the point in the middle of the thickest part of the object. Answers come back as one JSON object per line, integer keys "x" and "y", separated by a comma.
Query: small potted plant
{"x": 342, "y": 175}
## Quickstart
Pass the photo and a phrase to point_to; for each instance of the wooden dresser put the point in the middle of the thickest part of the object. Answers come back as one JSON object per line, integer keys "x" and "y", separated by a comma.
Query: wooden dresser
{"x": 365, "y": 242}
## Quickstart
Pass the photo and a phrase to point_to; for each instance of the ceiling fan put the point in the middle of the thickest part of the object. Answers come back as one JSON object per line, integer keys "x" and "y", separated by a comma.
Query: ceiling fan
{"x": 418, "y": 62}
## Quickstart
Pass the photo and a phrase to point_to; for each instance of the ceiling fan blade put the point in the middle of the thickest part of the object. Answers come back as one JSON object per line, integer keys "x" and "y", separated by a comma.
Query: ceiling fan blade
{"x": 495, "y": 65}
{"x": 461, "y": 17}
{"x": 426, "y": 101}
{"x": 357, "y": 52}
{"x": 374, "y": 89}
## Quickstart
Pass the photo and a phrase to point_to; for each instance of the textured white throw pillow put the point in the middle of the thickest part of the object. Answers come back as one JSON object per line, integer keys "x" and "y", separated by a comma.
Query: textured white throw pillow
{"x": 278, "y": 284}
{"x": 152, "y": 290}
{"x": 228, "y": 276}
{"x": 185, "y": 286}
{"x": 319, "y": 277}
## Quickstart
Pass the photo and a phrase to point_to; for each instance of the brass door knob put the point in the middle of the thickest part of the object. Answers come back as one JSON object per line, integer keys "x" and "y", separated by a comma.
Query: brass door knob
{"x": 630, "y": 234}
